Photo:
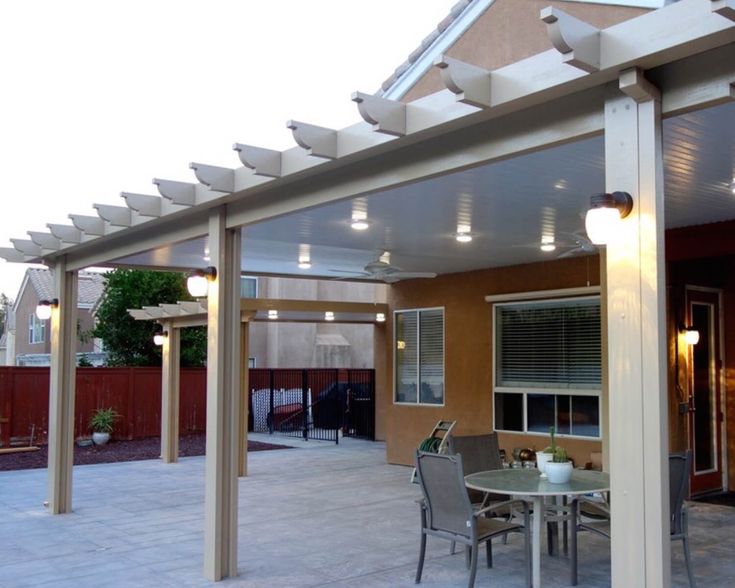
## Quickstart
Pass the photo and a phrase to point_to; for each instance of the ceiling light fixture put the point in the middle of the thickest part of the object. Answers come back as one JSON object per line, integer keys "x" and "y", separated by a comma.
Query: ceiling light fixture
{"x": 272, "y": 314}
{"x": 603, "y": 218}
{"x": 329, "y": 316}
{"x": 198, "y": 281}
{"x": 380, "y": 317}
{"x": 44, "y": 308}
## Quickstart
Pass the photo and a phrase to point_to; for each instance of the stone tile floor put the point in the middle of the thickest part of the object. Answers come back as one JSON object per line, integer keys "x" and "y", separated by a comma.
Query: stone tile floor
{"x": 325, "y": 515}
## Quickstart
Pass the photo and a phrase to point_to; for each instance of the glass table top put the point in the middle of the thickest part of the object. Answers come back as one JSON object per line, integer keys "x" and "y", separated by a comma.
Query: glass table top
{"x": 529, "y": 482}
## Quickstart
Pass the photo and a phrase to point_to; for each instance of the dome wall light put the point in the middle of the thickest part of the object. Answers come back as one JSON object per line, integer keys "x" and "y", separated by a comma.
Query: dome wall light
{"x": 272, "y": 314}
{"x": 160, "y": 338}
{"x": 329, "y": 316}
{"x": 44, "y": 308}
{"x": 380, "y": 317}
{"x": 732, "y": 186}
{"x": 603, "y": 218}
{"x": 198, "y": 281}
{"x": 691, "y": 335}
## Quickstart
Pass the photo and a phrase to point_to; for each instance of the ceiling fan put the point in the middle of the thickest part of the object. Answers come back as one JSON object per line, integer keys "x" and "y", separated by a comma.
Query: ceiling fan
{"x": 381, "y": 269}
{"x": 581, "y": 246}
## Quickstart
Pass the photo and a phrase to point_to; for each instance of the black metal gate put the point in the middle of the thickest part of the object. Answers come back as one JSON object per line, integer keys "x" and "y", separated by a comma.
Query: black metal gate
{"x": 312, "y": 403}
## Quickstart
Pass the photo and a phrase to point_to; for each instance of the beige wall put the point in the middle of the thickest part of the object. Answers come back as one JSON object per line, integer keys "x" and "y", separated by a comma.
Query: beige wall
{"x": 283, "y": 345}
{"x": 468, "y": 352}
{"x": 511, "y": 30}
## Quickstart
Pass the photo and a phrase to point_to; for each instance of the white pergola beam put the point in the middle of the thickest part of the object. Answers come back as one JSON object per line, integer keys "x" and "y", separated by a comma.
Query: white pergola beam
{"x": 143, "y": 204}
{"x": 191, "y": 307}
{"x": 46, "y": 241}
{"x": 27, "y": 247}
{"x": 181, "y": 193}
{"x": 636, "y": 326}
{"x": 139, "y": 314}
{"x": 219, "y": 179}
{"x": 171, "y": 309}
{"x": 633, "y": 83}
{"x": 154, "y": 311}
{"x": 263, "y": 162}
{"x": 470, "y": 84}
{"x": 12, "y": 255}
{"x": 117, "y": 216}
{"x": 67, "y": 234}
{"x": 386, "y": 116}
{"x": 576, "y": 40}
{"x": 90, "y": 226}
{"x": 317, "y": 141}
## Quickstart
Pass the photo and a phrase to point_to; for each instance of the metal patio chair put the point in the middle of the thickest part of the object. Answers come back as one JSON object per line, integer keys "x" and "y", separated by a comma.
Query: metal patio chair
{"x": 679, "y": 467}
{"x": 447, "y": 513}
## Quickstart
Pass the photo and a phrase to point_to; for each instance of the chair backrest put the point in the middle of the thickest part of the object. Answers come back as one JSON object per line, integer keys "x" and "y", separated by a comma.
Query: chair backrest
{"x": 442, "y": 482}
{"x": 679, "y": 466}
{"x": 479, "y": 452}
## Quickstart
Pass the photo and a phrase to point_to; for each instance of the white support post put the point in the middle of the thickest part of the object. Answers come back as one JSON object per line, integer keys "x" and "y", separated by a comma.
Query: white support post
{"x": 170, "y": 353}
{"x": 223, "y": 401}
{"x": 641, "y": 551}
{"x": 61, "y": 390}
{"x": 244, "y": 393}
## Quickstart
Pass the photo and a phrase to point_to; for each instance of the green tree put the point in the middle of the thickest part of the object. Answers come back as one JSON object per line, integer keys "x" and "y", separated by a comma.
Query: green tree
{"x": 129, "y": 342}
{"x": 5, "y": 304}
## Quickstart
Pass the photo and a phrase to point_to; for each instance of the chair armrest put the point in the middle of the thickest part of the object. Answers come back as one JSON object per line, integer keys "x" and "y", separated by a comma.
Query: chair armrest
{"x": 494, "y": 506}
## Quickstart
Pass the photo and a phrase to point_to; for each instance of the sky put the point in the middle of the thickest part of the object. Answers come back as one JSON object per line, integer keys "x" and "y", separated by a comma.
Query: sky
{"x": 97, "y": 98}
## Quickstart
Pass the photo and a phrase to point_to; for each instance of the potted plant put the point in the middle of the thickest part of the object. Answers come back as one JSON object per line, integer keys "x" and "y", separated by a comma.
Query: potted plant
{"x": 102, "y": 423}
{"x": 547, "y": 455}
{"x": 559, "y": 470}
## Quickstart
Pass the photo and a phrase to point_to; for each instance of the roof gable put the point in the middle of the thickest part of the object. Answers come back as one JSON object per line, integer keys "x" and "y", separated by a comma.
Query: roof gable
{"x": 91, "y": 286}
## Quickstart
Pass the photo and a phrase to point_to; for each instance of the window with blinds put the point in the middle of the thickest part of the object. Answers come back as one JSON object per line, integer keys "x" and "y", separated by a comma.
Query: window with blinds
{"x": 419, "y": 356}
{"x": 550, "y": 344}
{"x": 548, "y": 366}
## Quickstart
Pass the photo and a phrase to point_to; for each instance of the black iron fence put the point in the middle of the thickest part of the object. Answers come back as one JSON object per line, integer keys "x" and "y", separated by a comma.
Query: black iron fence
{"x": 320, "y": 404}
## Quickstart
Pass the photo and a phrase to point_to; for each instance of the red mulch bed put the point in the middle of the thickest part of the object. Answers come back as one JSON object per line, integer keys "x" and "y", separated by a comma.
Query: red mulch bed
{"x": 114, "y": 451}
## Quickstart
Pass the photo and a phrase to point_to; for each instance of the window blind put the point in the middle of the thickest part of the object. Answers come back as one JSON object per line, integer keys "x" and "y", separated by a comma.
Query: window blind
{"x": 431, "y": 355}
{"x": 549, "y": 344}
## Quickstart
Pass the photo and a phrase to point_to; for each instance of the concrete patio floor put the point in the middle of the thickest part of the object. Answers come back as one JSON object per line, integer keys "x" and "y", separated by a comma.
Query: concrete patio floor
{"x": 319, "y": 515}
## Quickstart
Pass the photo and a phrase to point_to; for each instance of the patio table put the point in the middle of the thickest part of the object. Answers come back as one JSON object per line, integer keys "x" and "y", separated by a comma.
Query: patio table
{"x": 528, "y": 485}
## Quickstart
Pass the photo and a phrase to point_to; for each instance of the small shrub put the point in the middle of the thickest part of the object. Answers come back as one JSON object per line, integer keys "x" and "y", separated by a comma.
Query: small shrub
{"x": 103, "y": 420}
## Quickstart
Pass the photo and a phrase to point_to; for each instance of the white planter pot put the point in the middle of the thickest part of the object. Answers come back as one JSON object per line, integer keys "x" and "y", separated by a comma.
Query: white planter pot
{"x": 559, "y": 473}
{"x": 100, "y": 438}
{"x": 541, "y": 460}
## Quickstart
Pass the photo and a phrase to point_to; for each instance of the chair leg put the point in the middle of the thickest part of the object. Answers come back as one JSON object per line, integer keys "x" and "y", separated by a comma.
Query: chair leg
{"x": 688, "y": 561}
{"x": 489, "y": 552}
{"x": 452, "y": 548}
{"x": 422, "y": 554}
{"x": 467, "y": 556}
{"x": 573, "y": 540}
{"x": 473, "y": 565}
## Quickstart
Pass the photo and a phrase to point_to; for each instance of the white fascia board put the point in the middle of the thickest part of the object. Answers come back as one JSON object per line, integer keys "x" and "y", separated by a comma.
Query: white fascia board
{"x": 631, "y": 3}
{"x": 443, "y": 42}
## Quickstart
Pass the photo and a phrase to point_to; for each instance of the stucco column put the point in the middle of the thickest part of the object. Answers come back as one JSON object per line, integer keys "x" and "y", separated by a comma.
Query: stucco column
{"x": 62, "y": 386}
{"x": 638, "y": 450}
{"x": 170, "y": 354}
{"x": 223, "y": 401}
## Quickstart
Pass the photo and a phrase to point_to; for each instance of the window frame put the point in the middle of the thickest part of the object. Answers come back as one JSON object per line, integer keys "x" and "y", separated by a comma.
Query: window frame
{"x": 525, "y": 391}
{"x": 35, "y": 325}
{"x": 418, "y": 357}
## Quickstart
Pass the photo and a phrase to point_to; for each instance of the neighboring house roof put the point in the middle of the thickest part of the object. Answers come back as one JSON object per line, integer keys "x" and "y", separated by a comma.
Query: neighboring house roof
{"x": 91, "y": 286}
{"x": 460, "y": 18}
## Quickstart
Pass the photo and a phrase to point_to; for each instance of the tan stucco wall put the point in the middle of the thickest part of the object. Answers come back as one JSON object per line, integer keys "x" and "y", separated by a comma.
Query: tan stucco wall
{"x": 468, "y": 351}
{"x": 511, "y": 30}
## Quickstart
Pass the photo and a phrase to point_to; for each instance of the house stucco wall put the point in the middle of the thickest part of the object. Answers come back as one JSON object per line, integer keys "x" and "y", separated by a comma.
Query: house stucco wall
{"x": 511, "y": 30}
{"x": 468, "y": 352}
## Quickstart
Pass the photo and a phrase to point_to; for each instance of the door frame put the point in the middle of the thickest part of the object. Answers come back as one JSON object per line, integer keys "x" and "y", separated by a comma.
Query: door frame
{"x": 720, "y": 376}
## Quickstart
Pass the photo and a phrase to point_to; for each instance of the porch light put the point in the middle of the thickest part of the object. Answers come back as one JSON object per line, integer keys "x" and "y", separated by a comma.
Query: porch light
{"x": 380, "y": 317}
{"x": 691, "y": 335}
{"x": 329, "y": 316}
{"x": 44, "y": 308}
{"x": 463, "y": 234}
{"x": 272, "y": 314}
{"x": 359, "y": 221}
{"x": 732, "y": 186}
{"x": 160, "y": 337}
{"x": 198, "y": 281}
{"x": 603, "y": 217}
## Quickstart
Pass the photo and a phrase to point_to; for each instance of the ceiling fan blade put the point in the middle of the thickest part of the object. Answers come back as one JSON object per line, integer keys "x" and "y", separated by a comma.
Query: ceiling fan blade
{"x": 570, "y": 253}
{"x": 341, "y": 271}
{"x": 411, "y": 275}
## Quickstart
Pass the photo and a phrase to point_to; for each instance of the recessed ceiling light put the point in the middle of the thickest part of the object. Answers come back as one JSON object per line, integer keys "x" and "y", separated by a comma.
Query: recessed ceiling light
{"x": 329, "y": 316}
{"x": 548, "y": 247}
{"x": 463, "y": 234}
{"x": 272, "y": 314}
{"x": 304, "y": 261}
{"x": 561, "y": 185}
{"x": 359, "y": 220}
{"x": 380, "y": 317}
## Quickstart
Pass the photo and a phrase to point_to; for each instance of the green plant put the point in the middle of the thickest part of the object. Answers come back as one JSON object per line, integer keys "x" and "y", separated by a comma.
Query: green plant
{"x": 103, "y": 420}
{"x": 551, "y": 448}
{"x": 560, "y": 455}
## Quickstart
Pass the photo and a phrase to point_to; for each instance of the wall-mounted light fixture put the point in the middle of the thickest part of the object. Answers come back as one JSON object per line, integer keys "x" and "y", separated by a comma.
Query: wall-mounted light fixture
{"x": 329, "y": 316}
{"x": 463, "y": 234}
{"x": 44, "y": 308}
{"x": 691, "y": 335}
{"x": 380, "y": 317}
{"x": 272, "y": 314}
{"x": 160, "y": 336}
{"x": 198, "y": 281}
{"x": 603, "y": 218}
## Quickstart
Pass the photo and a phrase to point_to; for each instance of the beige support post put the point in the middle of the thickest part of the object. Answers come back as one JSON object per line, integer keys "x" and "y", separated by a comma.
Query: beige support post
{"x": 170, "y": 352}
{"x": 640, "y": 551}
{"x": 244, "y": 404}
{"x": 223, "y": 401}
{"x": 61, "y": 390}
